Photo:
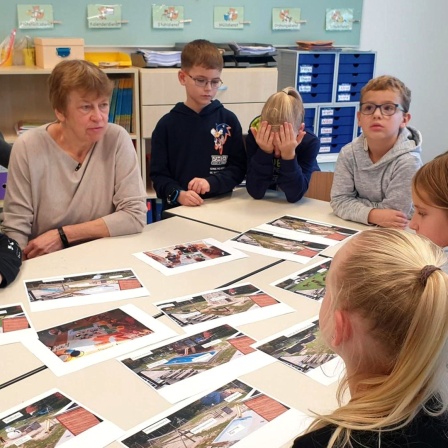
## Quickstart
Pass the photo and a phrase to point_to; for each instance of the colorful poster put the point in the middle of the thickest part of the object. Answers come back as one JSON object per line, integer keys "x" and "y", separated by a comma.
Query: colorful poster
{"x": 226, "y": 17}
{"x": 104, "y": 16}
{"x": 71, "y": 346}
{"x": 301, "y": 348}
{"x": 277, "y": 244}
{"x": 235, "y": 415}
{"x": 234, "y": 305}
{"x": 286, "y": 19}
{"x": 339, "y": 19}
{"x": 35, "y": 16}
{"x": 167, "y": 17}
{"x": 82, "y": 289}
{"x": 53, "y": 420}
{"x": 308, "y": 282}
{"x": 14, "y": 324}
{"x": 185, "y": 257}
{"x": 189, "y": 365}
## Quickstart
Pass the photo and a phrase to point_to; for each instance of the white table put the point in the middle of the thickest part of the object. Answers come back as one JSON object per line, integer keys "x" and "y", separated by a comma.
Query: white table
{"x": 238, "y": 211}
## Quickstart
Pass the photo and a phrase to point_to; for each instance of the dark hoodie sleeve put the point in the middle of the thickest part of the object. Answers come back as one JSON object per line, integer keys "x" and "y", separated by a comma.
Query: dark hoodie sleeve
{"x": 10, "y": 259}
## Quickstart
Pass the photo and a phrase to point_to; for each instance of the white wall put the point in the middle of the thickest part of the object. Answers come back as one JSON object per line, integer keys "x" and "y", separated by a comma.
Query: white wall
{"x": 411, "y": 41}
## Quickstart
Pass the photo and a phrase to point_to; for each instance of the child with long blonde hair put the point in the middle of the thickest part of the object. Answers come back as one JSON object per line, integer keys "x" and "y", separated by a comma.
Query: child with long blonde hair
{"x": 385, "y": 312}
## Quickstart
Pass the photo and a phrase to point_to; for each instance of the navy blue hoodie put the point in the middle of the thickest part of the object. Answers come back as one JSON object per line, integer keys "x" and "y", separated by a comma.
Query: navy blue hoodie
{"x": 186, "y": 144}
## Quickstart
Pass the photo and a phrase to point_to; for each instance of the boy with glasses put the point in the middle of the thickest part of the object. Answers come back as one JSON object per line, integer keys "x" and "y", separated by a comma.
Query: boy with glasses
{"x": 372, "y": 179}
{"x": 197, "y": 149}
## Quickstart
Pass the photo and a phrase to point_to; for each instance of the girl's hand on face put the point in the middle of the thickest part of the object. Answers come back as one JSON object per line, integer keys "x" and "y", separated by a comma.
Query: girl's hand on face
{"x": 264, "y": 137}
{"x": 286, "y": 140}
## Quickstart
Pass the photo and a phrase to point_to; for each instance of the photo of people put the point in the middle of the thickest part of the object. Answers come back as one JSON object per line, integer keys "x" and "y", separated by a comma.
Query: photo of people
{"x": 185, "y": 257}
{"x": 309, "y": 282}
{"x": 221, "y": 418}
{"x": 89, "y": 335}
{"x": 234, "y": 305}
{"x": 302, "y": 348}
{"x": 73, "y": 345}
{"x": 54, "y": 420}
{"x": 79, "y": 289}
{"x": 278, "y": 245}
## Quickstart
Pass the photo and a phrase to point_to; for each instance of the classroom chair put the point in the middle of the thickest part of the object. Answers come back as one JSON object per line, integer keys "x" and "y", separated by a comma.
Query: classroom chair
{"x": 320, "y": 185}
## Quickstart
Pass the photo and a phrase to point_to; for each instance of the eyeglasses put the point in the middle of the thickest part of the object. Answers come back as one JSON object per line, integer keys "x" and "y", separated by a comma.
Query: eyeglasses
{"x": 386, "y": 109}
{"x": 202, "y": 82}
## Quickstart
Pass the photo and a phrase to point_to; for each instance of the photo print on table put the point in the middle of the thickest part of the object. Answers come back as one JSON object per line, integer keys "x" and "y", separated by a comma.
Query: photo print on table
{"x": 53, "y": 420}
{"x": 234, "y": 415}
{"x": 302, "y": 348}
{"x": 317, "y": 231}
{"x": 233, "y": 305}
{"x": 185, "y": 257}
{"x": 300, "y": 250}
{"x": 14, "y": 324}
{"x": 82, "y": 289}
{"x": 71, "y": 346}
{"x": 189, "y": 365}
{"x": 308, "y": 282}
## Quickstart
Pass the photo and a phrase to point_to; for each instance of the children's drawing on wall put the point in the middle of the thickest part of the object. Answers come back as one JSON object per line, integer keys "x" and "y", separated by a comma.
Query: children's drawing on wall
{"x": 339, "y": 19}
{"x": 230, "y": 17}
{"x": 286, "y": 19}
{"x": 167, "y": 17}
{"x": 104, "y": 16}
{"x": 35, "y": 16}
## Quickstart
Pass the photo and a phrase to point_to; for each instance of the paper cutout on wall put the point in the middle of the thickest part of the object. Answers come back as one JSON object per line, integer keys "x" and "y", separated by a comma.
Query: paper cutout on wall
{"x": 339, "y": 19}
{"x": 35, "y": 16}
{"x": 167, "y": 17}
{"x": 228, "y": 17}
{"x": 286, "y": 19}
{"x": 104, "y": 16}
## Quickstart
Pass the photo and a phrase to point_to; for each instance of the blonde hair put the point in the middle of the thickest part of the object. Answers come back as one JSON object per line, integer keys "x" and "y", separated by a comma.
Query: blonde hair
{"x": 382, "y": 278}
{"x": 430, "y": 182}
{"x": 386, "y": 82}
{"x": 284, "y": 106}
{"x": 76, "y": 74}
{"x": 203, "y": 53}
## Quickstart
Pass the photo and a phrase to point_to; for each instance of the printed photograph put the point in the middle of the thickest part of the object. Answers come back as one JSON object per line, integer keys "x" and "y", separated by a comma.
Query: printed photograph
{"x": 12, "y": 318}
{"x": 77, "y": 288}
{"x": 302, "y": 348}
{"x": 309, "y": 282}
{"x": 49, "y": 422}
{"x": 188, "y": 256}
{"x": 212, "y": 305}
{"x": 92, "y": 334}
{"x": 219, "y": 419}
{"x": 188, "y": 357}
{"x": 267, "y": 243}
{"x": 328, "y": 231}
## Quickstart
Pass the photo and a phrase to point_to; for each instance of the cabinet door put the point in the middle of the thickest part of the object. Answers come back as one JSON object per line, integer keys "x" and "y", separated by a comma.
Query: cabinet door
{"x": 160, "y": 86}
{"x": 151, "y": 115}
{"x": 247, "y": 85}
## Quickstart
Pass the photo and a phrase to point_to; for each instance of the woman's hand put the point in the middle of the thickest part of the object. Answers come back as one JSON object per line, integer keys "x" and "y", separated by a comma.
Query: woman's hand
{"x": 43, "y": 244}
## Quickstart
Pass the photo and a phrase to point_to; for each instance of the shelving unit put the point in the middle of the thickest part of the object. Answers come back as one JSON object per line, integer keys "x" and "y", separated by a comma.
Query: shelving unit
{"x": 330, "y": 84}
{"x": 25, "y": 97}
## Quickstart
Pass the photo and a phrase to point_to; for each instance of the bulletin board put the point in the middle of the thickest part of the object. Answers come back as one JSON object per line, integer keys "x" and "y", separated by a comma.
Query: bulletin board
{"x": 139, "y": 32}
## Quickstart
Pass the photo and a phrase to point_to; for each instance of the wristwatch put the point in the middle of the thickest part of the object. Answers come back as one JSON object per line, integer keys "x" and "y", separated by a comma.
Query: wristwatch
{"x": 172, "y": 197}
